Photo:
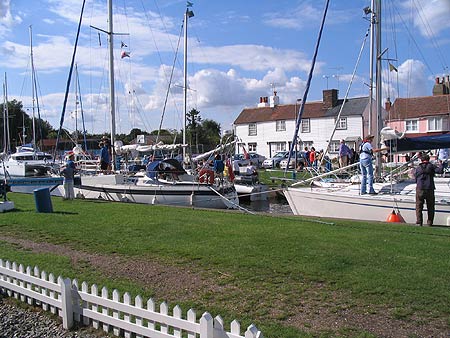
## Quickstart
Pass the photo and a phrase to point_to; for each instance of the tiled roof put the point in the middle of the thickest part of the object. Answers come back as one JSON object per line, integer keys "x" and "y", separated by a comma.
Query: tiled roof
{"x": 353, "y": 106}
{"x": 417, "y": 107}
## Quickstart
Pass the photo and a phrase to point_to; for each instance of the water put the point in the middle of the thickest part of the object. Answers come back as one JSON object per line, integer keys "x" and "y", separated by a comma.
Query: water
{"x": 274, "y": 205}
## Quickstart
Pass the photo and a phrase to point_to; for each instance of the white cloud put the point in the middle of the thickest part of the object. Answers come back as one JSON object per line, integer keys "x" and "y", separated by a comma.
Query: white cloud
{"x": 7, "y": 20}
{"x": 432, "y": 16}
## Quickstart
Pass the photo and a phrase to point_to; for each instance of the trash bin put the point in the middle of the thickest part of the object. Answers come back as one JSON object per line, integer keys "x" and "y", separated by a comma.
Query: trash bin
{"x": 43, "y": 200}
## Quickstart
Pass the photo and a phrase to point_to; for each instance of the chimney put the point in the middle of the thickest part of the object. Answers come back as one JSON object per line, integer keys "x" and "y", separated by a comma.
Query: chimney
{"x": 263, "y": 101}
{"x": 330, "y": 98}
{"x": 388, "y": 104}
{"x": 441, "y": 87}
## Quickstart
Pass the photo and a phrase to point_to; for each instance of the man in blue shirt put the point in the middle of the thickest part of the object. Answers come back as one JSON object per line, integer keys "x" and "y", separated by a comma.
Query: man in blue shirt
{"x": 344, "y": 154}
{"x": 104, "y": 157}
{"x": 365, "y": 163}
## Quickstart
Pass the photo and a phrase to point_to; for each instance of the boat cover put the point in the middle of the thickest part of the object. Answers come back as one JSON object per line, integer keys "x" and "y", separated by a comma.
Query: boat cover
{"x": 407, "y": 144}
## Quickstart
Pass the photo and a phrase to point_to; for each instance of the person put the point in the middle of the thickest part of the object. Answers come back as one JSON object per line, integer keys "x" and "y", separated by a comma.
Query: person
{"x": 68, "y": 174}
{"x": 104, "y": 157}
{"x": 425, "y": 187}
{"x": 443, "y": 158}
{"x": 219, "y": 165}
{"x": 251, "y": 169}
{"x": 306, "y": 153}
{"x": 365, "y": 162}
{"x": 236, "y": 168}
{"x": 312, "y": 157}
{"x": 344, "y": 154}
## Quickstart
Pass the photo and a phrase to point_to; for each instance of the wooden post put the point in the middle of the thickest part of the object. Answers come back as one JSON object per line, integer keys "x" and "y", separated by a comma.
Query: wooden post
{"x": 206, "y": 326}
{"x": 66, "y": 298}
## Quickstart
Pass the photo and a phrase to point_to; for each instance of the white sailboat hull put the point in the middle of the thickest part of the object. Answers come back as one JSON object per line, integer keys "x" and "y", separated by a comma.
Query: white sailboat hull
{"x": 117, "y": 188}
{"x": 348, "y": 204}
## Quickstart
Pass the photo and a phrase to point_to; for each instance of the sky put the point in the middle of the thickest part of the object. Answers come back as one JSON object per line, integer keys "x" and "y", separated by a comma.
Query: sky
{"x": 238, "y": 51}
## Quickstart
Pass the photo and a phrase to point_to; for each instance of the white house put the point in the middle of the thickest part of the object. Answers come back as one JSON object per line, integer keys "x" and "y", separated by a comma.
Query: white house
{"x": 270, "y": 127}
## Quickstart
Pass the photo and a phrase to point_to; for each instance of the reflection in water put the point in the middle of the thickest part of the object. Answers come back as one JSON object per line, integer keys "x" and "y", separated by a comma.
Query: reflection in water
{"x": 274, "y": 205}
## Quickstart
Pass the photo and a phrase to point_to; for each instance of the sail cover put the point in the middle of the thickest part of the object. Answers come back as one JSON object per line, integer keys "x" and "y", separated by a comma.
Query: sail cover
{"x": 407, "y": 144}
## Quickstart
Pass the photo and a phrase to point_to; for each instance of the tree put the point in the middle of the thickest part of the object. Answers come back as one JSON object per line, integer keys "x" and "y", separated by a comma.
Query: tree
{"x": 193, "y": 119}
{"x": 209, "y": 134}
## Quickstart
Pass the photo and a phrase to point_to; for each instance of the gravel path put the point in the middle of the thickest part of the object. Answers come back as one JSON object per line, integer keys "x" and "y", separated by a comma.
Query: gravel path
{"x": 19, "y": 322}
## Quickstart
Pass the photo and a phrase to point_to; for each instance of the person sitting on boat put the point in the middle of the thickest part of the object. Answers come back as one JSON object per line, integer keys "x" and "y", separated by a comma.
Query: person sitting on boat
{"x": 365, "y": 162}
{"x": 425, "y": 187}
{"x": 68, "y": 173}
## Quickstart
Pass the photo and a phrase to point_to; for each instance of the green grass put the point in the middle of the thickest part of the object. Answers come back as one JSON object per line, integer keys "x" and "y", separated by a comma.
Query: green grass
{"x": 266, "y": 262}
{"x": 277, "y": 177}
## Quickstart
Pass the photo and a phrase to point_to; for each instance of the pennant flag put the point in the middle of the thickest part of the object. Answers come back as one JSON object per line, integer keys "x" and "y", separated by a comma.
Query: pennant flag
{"x": 124, "y": 54}
{"x": 392, "y": 68}
{"x": 189, "y": 4}
{"x": 122, "y": 44}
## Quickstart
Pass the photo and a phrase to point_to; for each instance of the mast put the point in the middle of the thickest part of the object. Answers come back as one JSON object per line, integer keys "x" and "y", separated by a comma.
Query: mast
{"x": 33, "y": 94}
{"x": 6, "y": 144}
{"x": 112, "y": 94}
{"x": 188, "y": 14}
{"x": 379, "y": 98}
{"x": 371, "y": 85}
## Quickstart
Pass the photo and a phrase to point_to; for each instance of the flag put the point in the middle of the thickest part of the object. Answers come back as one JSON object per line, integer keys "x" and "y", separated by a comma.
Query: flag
{"x": 124, "y": 54}
{"x": 246, "y": 155}
{"x": 122, "y": 44}
{"x": 189, "y": 4}
{"x": 392, "y": 68}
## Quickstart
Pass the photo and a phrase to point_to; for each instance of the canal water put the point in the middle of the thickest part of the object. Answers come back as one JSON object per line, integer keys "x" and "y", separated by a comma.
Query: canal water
{"x": 274, "y": 205}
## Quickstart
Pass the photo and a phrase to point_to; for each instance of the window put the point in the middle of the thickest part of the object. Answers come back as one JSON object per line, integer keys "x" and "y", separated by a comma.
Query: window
{"x": 278, "y": 146}
{"x": 342, "y": 123}
{"x": 252, "y": 147}
{"x": 306, "y": 128}
{"x": 334, "y": 146}
{"x": 280, "y": 125}
{"x": 252, "y": 131}
{"x": 435, "y": 124}
{"x": 308, "y": 144}
{"x": 411, "y": 125}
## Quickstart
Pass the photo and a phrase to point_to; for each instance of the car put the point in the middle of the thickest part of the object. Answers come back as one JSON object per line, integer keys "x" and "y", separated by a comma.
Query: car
{"x": 292, "y": 164}
{"x": 274, "y": 161}
{"x": 254, "y": 158}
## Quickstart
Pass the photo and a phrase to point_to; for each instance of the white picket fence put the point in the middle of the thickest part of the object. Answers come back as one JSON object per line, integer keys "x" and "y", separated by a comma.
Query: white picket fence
{"x": 117, "y": 314}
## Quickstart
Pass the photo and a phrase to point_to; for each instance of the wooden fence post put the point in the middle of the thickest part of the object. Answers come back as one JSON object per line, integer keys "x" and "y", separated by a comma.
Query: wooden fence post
{"x": 206, "y": 326}
{"x": 66, "y": 298}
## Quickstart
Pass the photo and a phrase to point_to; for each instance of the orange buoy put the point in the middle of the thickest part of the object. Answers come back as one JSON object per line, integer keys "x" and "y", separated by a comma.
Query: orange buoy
{"x": 395, "y": 218}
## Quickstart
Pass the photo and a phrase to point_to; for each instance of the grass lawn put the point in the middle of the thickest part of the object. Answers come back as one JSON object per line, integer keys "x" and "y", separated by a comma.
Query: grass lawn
{"x": 273, "y": 271}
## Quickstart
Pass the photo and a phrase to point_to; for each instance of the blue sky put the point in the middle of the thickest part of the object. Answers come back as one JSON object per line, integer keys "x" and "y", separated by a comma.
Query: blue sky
{"x": 238, "y": 51}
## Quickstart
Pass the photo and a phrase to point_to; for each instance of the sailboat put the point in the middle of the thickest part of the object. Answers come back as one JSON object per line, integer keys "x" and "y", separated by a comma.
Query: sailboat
{"x": 28, "y": 160}
{"x": 343, "y": 200}
{"x": 155, "y": 186}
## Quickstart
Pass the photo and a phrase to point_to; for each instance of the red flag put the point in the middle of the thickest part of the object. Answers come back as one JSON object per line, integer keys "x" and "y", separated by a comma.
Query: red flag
{"x": 246, "y": 155}
{"x": 230, "y": 170}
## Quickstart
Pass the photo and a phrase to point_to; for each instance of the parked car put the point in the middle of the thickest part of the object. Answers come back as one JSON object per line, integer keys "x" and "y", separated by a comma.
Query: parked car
{"x": 254, "y": 158}
{"x": 274, "y": 161}
{"x": 292, "y": 163}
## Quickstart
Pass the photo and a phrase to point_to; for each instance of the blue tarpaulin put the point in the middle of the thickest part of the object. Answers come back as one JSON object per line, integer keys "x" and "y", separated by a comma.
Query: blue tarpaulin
{"x": 420, "y": 143}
